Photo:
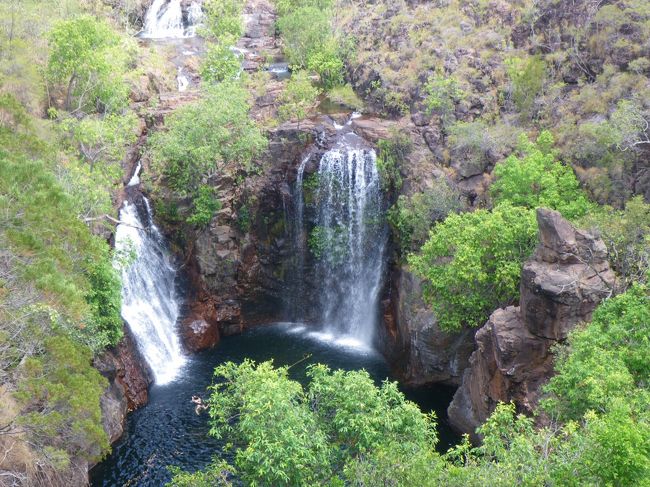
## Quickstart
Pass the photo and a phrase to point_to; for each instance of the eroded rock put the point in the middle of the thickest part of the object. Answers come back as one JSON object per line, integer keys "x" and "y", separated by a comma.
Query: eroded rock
{"x": 561, "y": 285}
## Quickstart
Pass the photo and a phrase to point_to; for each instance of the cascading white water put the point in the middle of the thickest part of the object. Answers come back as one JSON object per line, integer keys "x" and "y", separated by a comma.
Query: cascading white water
{"x": 349, "y": 240}
{"x": 182, "y": 80}
{"x": 149, "y": 301}
{"x": 164, "y": 19}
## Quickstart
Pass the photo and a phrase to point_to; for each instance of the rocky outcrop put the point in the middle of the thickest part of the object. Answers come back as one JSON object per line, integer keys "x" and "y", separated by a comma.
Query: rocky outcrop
{"x": 129, "y": 379}
{"x": 561, "y": 285}
{"x": 421, "y": 353}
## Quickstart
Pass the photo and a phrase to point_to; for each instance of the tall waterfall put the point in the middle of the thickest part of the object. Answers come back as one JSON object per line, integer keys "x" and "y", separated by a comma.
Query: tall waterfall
{"x": 164, "y": 19}
{"x": 149, "y": 301}
{"x": 348, "y": 240}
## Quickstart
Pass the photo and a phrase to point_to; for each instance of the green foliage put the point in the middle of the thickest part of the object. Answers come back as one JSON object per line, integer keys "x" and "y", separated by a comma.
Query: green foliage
{"x": 101, "y": 141}
{"x": 205, "y": 205}
{"x": 337, "y": 432}
{"x": 299, "y": 98}
{"x": 223, "y": 20}
{"x": 90, "y": 58}
{"x": 308, "y": 39}
{"x": 215, "y": 475}
{"x": 626, "y": 234}
{"x": 442, "y": 94}
{"x": 536, "y": 179}
{"x": 630, "y": 125}
{"x": 328, "y": 64}
{"x": 412, "y": 217}
{"x": 205, "y": 138}
{"x": 607, "y": 359}
{"x": 472, "y": 263}
{"x": 329, "y": 243}
{"x": 527, "y": 78}
{"x": 393, "y": 152}
{"x": 105, "y": 300}
{"x": 62, "y": 391}
{"x": 220, "y": 63}
{"x": 223, "y": 26}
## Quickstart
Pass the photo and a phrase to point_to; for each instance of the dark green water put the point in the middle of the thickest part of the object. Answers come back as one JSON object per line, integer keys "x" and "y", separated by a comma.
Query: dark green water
{"x": 168, "y": 432}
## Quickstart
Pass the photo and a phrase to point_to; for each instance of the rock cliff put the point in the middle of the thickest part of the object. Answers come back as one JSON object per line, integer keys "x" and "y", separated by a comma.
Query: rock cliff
{"x": 561, "y": 285}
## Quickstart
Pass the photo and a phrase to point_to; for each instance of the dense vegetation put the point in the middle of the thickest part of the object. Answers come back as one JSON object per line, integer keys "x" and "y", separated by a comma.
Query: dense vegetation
{"x": 65, "y": 126}
{"x": 344, "y": 430}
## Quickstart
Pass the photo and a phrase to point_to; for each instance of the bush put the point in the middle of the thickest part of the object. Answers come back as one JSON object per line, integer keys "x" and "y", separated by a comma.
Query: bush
{"x": 393, "y": 152}
{"x": 442, "y": 94}
{"x": 220, "y": 64}
{"x": 211, "y": 135}
{"x": 536, "y": 179}
{"x": 608, "y": 358}
{"x": 412, "y": 217}
{"x": 626, "y": 234}
{"x": 90, "y": 59}
{"x": 527, "y": 78}
{"x": 299, "y": 98}
{"x": 205, "y": 205}
{"x": 472, "y": 262}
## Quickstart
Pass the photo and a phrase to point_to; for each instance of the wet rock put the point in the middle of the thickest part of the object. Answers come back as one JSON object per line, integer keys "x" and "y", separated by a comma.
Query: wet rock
{"x": 129, "y": 379}
{"x": 198, "y": 334}
{"x": 422, "y": 352}
{"x": 561, "y": 285}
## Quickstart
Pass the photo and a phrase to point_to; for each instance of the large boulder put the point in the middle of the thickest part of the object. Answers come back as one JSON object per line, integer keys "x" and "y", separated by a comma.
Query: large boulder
{"x": 561, "y": 285}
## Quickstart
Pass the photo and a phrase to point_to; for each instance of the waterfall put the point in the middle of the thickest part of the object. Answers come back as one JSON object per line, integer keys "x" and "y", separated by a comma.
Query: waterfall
{"x": 164, "y": 19}
{"x": 348, "y": 239}
{"x": 149, "y": 301}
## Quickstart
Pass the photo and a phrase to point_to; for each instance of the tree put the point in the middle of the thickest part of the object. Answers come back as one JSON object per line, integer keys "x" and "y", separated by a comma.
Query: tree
{"x": 90, "y": 59}
{"x": 413, "y": 217}
{"x": 631, "y": 126}
{"x": 340, "y": 431}
{"x": 536, "y": 179}
{"x": 299, "y": 98}
{"x": 203, "y": 139}
{"x": 472, "y": 262}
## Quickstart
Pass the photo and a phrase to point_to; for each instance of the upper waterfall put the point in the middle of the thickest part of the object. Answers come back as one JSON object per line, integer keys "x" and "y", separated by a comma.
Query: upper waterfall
{"x": 149, "y": 301}
{"x": 164, "y": 19}
{"x": 348, "y": 239}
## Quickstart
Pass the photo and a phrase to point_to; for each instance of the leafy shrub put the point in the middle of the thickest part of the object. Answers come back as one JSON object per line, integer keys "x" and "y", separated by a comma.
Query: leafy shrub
{"x": 472, "y": 263}
{"x": 393, "y": 152}
{"x": 220, "y": 63}
{"x": 299, "y": 98}
{"x": 63, "y": 391}
{"x": 205, "y": 205}
{"x": 527, "y": 77}
{"x": 223, "y": 20}
{"x": 205, "y": 138}
{"x": 626, "y": 234}
{"x": 308, "y": 40}
{"x": 609, "y": 358}
{"x": 442, "y": 94}
{"x": 536, "y": 179}
{"x": 412, "y": 217}
{"x": 90, "y": 59}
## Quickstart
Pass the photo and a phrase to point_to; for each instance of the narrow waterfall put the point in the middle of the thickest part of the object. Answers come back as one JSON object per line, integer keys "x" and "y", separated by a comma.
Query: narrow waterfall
{"x": 164, "y": 19}
{"x": 149, "y": 302}
{"x": 347, "y": 238}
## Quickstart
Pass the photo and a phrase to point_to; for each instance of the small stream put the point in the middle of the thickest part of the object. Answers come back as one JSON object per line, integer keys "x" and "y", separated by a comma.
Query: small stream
{"x": 168, "y": 432}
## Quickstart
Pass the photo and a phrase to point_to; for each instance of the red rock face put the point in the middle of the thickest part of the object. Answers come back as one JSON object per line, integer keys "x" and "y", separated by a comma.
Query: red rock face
{"x": 561, "y": 286}
{"x": 129, "y": 379}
